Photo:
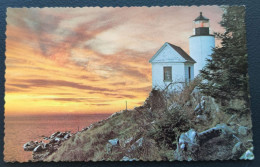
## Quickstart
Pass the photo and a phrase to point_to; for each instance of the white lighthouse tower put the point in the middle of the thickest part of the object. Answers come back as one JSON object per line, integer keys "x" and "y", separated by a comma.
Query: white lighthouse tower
{"x": 201, "y": 43}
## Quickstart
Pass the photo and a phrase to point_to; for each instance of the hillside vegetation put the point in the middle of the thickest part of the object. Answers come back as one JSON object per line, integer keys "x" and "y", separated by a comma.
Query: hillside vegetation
{"x": 152, "y": 131}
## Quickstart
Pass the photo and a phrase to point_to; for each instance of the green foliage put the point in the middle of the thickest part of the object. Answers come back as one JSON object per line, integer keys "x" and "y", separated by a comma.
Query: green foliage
{"x": 226, "y": 73}
{"x": 170, "y": 126}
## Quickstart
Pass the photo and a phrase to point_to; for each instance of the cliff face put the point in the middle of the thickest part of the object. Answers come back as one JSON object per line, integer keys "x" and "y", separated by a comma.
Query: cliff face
{"x": 184, "y": 126}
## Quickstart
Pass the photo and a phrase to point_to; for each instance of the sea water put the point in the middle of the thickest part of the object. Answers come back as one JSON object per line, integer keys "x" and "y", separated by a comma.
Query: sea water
{"x": 22, "y": 129}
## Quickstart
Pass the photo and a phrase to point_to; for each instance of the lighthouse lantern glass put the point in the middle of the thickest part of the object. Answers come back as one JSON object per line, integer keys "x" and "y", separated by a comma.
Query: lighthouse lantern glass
{"x": 201, "y": 23}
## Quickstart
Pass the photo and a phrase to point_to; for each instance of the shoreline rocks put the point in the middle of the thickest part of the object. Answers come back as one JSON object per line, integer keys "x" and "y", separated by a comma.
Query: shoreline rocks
{"x": 41, "y": 149}
{"x": 29, "y": 146}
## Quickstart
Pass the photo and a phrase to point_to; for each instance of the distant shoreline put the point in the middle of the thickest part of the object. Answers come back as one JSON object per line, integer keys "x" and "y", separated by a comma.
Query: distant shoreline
{"x": 53, "y": 115}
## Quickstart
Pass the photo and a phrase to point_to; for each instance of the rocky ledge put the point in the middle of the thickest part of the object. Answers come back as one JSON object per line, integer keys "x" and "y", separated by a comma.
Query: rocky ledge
{"x": 44, "y": 148}
{"x": 218, "y": 143}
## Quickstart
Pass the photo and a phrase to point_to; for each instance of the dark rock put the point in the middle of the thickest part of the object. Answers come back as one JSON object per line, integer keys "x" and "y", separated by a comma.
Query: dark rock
{"x": 52, "y": 141}
{"x": 46, "y": 145}
{"x": 67, "y": 136}
{"x": 29, "y": 146}
{"x": 39, "y": 148}
{"x": 61, "y": 135}
{"x": 214, "y": 143}
{"x": 84, "y": 129}
{"x": 54, "y": 135}
{"x": 220, "y": 129}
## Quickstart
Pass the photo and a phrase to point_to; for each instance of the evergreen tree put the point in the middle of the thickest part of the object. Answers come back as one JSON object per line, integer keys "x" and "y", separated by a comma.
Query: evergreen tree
{"x": 226, "y": 73}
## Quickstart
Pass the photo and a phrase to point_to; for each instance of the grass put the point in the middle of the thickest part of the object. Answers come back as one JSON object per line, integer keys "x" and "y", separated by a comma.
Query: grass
{"x": 159, "y": 125}
{"x": 91, "y": 144}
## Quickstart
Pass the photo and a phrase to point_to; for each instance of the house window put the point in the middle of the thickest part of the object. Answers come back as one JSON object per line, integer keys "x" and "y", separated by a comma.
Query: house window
{"x": 189, "y": 74}
{"x": 167, "y": 74}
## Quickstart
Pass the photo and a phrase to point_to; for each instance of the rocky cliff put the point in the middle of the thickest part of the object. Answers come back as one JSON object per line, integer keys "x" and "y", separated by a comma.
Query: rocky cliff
{"x": 180, "y": 126}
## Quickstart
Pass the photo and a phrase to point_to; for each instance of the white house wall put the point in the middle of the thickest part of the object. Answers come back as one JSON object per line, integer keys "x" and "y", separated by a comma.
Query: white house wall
{"x": 200, "y": 50}
{"x": 178, "y": 75}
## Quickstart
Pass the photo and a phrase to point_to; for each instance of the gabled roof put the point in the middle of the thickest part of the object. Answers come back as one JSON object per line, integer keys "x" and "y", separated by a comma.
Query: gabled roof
{"x": 179, "y": 50}
{"x": 182, "y": 53}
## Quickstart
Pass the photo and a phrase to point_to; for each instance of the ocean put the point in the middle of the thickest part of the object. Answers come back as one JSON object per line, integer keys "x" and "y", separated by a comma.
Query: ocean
{"x": 21, "y": 129}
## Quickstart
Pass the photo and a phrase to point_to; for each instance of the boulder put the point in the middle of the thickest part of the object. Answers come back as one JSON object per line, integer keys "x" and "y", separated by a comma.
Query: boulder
{"x": 220, "y": 130}
{"x": 200, "y": 107}
{"x": 125, "y": 158}
{"x": 137, "y": 144}
{"x": 187, "y": 146}
{"x": 90, "y": 126}
{"x": 242, "y": 130}
{"x": 61, "y": 135}
{"x": 67, "y": 136}
{"x": 54, "y": 135}
{"x": 57, "y": 139}
{"x": 29, "y": 146}
{"x": 114, "y": 142}
{"x": 218, "y": 141}
{"x": 201, "y": 118}
{"x": 39, "y": 148}
{"x": 248, "y": 155}
{"x": 84, "y": 129}
{"x": 46, "y": 145}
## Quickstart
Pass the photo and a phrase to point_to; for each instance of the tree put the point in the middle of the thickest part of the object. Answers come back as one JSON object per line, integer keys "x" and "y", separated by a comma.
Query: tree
{"x": 226, "y": 73}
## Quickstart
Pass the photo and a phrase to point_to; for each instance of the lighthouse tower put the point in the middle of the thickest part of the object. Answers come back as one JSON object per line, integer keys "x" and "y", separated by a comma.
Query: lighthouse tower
{"x": 201, "y": 43}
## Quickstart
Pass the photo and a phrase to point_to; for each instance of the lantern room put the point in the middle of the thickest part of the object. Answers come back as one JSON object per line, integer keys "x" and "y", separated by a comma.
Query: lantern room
{"x": 201, "y": 25}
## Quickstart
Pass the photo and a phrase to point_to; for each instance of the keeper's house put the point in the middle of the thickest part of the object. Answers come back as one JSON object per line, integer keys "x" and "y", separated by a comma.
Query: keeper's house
{"x": 172, "y": 67}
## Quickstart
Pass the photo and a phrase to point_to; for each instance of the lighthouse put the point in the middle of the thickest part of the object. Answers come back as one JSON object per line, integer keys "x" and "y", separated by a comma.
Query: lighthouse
{"x": 201, "y": 43}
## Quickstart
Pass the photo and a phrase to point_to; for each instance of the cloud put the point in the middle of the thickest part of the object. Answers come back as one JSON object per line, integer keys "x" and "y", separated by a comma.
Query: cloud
{"x": 32, "y": 83}
{"x": 67, "y": 99}
{"x": 101, "y": 104}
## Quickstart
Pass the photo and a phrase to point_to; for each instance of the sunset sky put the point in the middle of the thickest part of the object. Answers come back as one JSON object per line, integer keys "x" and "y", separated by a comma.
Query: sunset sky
{"x": 89, "y": 60}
